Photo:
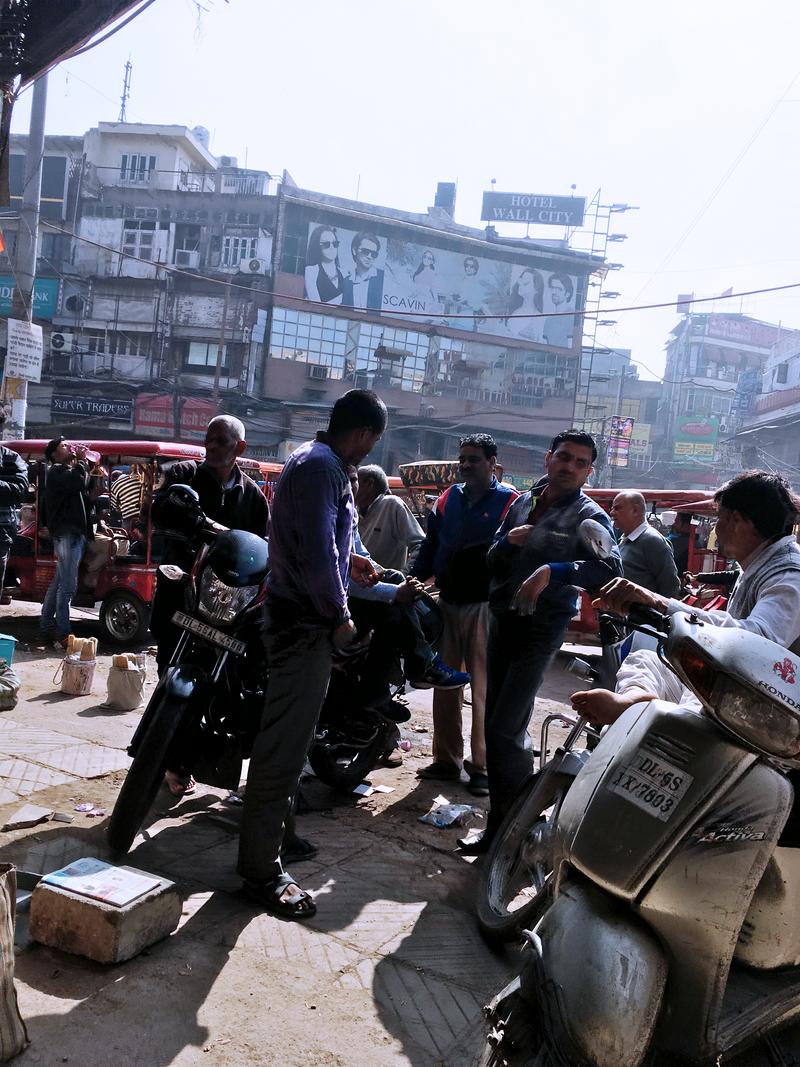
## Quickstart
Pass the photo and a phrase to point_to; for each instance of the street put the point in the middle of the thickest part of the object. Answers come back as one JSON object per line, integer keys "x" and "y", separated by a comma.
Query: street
{"x": 391, "y": 970}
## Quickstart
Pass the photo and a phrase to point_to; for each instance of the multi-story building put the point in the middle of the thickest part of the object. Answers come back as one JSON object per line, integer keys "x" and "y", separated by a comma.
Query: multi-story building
{"x": 770, "y": 432}
{"x": 714, "y": 365}
{"x": 180, "y": 284}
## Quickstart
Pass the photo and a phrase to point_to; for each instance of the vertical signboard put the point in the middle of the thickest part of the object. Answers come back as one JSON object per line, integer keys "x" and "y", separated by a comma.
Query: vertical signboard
{"x": 619, "y": 441}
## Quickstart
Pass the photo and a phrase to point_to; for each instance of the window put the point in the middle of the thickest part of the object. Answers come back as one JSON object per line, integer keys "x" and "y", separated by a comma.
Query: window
{"x": 782, "y": 373}
{"x": 201, "y": 357}
{"x": 235, "y": 249}
{"x": 137, "y": 238}
{"x": 136, "y": 168}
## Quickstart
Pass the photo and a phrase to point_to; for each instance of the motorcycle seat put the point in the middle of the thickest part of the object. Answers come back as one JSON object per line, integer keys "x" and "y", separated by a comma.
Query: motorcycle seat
{"x": 770, "y": 935}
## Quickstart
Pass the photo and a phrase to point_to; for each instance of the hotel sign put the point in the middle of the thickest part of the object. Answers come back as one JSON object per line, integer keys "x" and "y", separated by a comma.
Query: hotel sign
{"x": 533, "y": 207}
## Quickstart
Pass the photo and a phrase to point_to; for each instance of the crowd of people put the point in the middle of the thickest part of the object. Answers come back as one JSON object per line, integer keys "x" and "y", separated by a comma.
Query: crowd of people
{"x": 348, "y": 559}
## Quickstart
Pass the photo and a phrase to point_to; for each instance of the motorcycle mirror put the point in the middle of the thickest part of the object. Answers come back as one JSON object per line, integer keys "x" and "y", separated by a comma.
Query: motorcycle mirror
{"x": 596, "y": 538}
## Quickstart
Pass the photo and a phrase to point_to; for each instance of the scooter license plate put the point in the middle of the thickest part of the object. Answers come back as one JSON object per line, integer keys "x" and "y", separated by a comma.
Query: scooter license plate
{"x": 216, "y": 637}
{"x": 651, "y": 783}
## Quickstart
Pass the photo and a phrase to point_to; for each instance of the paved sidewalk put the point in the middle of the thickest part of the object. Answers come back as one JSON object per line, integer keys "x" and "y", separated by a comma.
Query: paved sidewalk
{"x": 391, "y": 970}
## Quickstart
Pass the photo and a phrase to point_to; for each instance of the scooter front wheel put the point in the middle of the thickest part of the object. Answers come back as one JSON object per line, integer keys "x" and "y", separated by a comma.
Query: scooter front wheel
{"x": 515, "y": 886}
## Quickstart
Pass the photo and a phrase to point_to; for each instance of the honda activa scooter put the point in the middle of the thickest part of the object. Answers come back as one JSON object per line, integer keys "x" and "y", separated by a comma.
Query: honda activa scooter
{"x": 673, "y": 935}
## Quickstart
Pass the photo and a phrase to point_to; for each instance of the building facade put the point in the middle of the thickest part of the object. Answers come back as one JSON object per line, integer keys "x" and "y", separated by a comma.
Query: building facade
{"x": 173, "y": 284}
{"x": 713, "y": 372}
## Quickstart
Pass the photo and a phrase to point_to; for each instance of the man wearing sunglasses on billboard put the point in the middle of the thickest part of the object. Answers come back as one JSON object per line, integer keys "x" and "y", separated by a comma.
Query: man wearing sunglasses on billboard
{"x": 363, "y": 287}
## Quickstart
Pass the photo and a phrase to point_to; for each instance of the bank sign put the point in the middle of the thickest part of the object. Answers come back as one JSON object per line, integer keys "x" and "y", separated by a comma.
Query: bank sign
{"x": 45, "y": 296}
{"x": 533, "y": 208}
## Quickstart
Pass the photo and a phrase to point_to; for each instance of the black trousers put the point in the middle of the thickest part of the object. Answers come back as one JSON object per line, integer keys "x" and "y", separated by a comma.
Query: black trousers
{"x": 395, "y": 628}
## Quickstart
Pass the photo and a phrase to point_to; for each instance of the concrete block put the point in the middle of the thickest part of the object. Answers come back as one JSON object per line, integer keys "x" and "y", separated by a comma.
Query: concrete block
{"x": 101, "y": 931}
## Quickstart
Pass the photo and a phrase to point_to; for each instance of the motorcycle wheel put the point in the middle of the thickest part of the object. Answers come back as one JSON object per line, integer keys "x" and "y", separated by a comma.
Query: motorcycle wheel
{"x": 145, "y": 775}
{"x": 515, "y": 886}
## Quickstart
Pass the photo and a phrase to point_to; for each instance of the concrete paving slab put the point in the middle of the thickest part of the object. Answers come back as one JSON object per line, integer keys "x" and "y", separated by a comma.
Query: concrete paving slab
{"x": 86, "y": 761}
{"x": 28, "y": 741}
{"x": 21, "y": 777}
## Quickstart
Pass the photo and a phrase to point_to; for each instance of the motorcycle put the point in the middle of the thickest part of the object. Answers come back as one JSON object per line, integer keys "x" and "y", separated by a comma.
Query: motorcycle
{"x": 351, "y": 737}
{"x": 206, "y": 709}
{"x": 672, "y": 934}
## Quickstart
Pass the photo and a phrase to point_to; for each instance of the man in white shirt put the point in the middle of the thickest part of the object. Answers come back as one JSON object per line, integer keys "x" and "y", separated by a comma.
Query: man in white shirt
{"x": 647, "y": 557}
{"x": 388, "y": 528}
{"x": 755, "y": 519}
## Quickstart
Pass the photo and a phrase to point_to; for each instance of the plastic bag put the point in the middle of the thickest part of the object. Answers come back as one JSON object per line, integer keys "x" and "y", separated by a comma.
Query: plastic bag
{"x": 126, "y": 682}
{"x": 9, "y": 687}
{"x": 13, "y": 1035}
{"x": 443, "y": 813}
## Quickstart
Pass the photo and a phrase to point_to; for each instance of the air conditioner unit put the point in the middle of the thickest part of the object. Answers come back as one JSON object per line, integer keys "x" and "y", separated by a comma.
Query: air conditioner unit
{"x": 62, "y": 342}
{"x": 184, "y": 258}
{"x": 317, "y": 371}
{"x": 253, "y": 266}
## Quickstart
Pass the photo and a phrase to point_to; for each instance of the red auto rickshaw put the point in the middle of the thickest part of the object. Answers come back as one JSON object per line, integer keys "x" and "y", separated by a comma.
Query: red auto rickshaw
{"x": 120, "y": 576}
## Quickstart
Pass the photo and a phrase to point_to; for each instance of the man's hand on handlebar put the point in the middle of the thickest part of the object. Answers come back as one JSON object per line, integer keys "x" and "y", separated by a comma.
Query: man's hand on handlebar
{"x": 346, "y": 640}
{"x": 619, "y": 594}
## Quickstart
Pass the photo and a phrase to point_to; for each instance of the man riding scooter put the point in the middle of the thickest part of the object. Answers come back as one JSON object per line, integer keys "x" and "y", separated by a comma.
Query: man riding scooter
{"x": 756, "y": 514}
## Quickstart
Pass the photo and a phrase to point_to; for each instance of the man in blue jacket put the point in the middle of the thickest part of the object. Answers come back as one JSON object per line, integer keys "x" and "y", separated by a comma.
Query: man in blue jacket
{"x": 311, "y": 562}
{"x": 460, "y": 530}
{"x": 541, "y": 556}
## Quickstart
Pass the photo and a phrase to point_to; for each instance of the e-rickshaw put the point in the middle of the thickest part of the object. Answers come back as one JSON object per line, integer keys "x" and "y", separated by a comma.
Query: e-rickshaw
{"x": 121, "y": 573}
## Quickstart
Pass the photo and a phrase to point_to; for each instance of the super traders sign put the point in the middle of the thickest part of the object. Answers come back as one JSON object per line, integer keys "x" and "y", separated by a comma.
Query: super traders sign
{"x": 98, "y": 407}
{"x": 533, "y": 207}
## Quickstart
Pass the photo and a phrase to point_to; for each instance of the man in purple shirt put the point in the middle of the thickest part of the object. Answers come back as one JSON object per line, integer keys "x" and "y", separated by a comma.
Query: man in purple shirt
{"x": 311, "y": 562}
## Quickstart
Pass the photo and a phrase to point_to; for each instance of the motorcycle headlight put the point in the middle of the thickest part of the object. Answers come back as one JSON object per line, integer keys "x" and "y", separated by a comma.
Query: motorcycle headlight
{"x": 220, "y": 602}
{"x": 768, "y": 720}
{"x": 764, "y": 723}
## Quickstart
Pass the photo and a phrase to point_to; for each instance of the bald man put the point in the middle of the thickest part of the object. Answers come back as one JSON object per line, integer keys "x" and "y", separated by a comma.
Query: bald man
{"x": 227, "y": 496}
{"x": 647, "y": 557}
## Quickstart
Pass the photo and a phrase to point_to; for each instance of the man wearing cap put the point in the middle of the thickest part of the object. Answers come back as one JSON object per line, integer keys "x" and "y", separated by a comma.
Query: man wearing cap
{"x": 67, "y": 516}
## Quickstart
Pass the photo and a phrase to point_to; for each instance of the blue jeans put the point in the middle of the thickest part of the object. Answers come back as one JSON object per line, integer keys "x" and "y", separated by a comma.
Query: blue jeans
{"x": 68, "y": 551}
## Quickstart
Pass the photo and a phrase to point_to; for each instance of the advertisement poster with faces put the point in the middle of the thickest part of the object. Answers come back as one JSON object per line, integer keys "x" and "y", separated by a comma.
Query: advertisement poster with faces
{"x": 362, "y": 269}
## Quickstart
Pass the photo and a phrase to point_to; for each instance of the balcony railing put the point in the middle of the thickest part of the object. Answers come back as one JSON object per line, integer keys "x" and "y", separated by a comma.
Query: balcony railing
{"x": 781, "y": 398}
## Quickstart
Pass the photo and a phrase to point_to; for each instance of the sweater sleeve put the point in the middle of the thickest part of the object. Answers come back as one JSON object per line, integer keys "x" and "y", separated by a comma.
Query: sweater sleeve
{"x": 590, "y": 573}
{"x": 666, "y": 579}
{"x": 13, "y": 479}
{"x": 317, "y": 500}
{"x": 423, "y": 564}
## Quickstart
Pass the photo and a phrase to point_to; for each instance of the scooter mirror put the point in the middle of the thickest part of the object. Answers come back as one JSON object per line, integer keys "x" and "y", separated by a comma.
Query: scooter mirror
{"x": 596, "y": 538}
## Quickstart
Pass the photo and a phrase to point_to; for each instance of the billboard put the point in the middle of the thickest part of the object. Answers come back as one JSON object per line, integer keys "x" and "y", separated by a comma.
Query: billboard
{"x": 619, "y": 441}
{"x": 372, "y": 272}
{"x": 695, "y": 439}
{"x": 155, "y": 413}
{"x": 533, "y": 208}
{"x": 640, "y": 439}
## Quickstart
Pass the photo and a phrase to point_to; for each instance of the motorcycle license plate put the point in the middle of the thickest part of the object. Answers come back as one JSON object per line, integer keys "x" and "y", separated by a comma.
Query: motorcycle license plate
{"x": 652, "y": 784}
{"x": 216, "y": 637}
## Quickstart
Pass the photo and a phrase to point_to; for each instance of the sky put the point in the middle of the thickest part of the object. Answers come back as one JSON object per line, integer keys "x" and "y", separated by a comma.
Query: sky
{"x": 689, "y": 112}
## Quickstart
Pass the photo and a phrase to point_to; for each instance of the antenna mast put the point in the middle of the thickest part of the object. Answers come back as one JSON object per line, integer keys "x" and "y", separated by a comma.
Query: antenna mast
{"x": 126, "y": 92}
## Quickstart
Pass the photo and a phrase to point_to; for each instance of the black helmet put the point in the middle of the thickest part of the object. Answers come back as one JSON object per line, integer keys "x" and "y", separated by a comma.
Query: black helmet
{"x": 177, "y": 512}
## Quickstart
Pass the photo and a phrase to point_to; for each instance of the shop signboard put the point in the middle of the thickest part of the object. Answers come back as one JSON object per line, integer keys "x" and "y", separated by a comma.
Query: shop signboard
{"x": 155, "y": 413}
{"x": 98, "y": 407}
{"x": 695, "y": 439}
{"x": 533, "y": 208}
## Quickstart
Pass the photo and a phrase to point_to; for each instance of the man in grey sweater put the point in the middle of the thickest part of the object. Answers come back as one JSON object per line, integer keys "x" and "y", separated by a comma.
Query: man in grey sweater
{"x": 647, "y": 557}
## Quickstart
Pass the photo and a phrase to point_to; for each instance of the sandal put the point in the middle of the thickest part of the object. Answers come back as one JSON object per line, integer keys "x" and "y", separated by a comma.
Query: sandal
{"x": 296, "y": 849}
{"x": 180, "y": 785}
{"x": 268, "y": 897}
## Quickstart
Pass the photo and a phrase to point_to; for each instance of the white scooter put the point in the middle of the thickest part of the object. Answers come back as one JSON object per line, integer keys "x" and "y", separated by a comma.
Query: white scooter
{"x": 673, "y": 935}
